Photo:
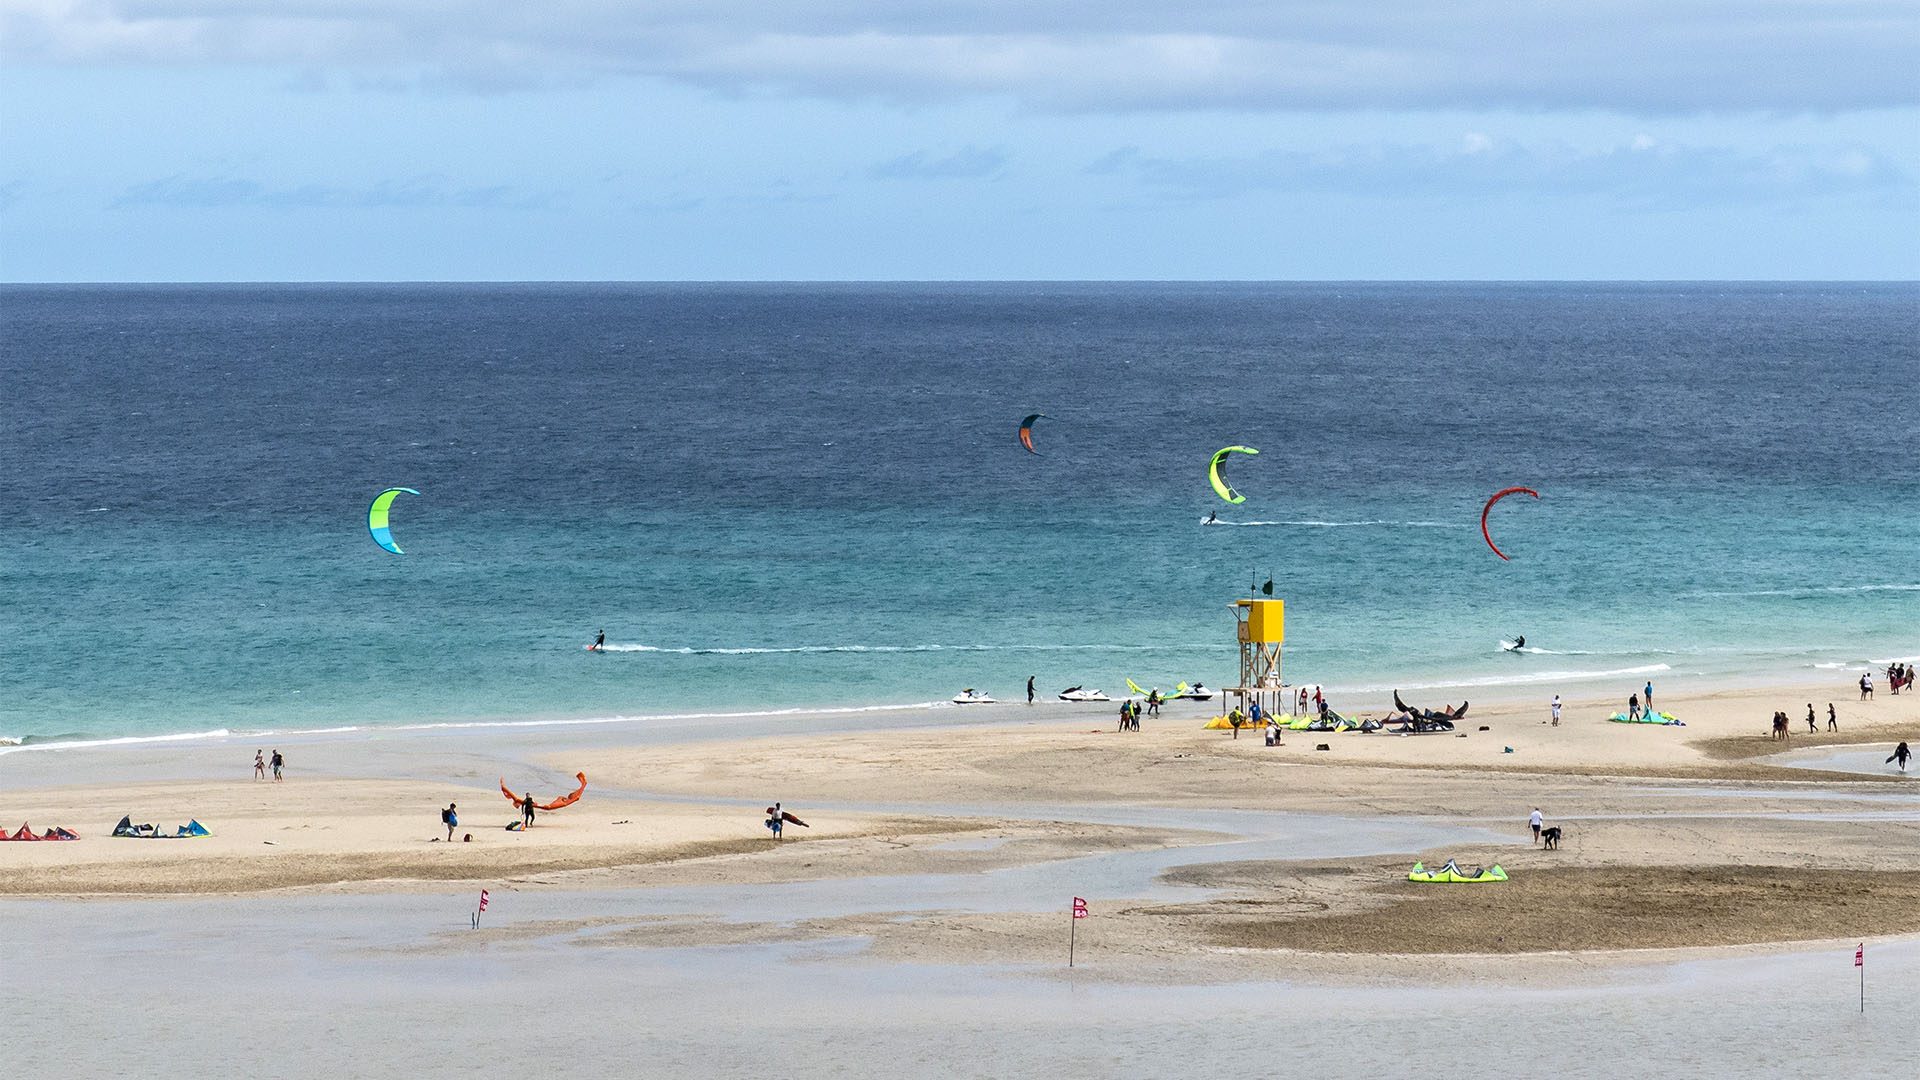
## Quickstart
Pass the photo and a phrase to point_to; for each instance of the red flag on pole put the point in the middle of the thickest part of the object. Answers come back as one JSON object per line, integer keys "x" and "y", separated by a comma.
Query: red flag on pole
{"x": 1079, "y": 908}
{"x": 483, "y": 899}
{"x": 1860, "y": 955}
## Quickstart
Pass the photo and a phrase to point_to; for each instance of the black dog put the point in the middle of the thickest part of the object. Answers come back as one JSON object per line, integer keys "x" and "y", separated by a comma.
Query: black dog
{"x": 1550, "y": 838}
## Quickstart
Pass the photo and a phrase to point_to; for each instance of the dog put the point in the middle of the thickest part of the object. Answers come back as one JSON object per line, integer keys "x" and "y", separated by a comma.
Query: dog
{"x": 1550, "y": 837}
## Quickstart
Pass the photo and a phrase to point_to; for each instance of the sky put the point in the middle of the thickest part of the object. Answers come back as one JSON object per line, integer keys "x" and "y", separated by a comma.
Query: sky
{"x": 393, "y": 140}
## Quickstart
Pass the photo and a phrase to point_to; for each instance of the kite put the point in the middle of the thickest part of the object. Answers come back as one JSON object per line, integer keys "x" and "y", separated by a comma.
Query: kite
{"x": 1026, "y": 430}
{"x": 564, "y": 800}
{"x": 1487, "y": 509}
{"x": 377, "y": 518}
{"x": 1216, "y": 473}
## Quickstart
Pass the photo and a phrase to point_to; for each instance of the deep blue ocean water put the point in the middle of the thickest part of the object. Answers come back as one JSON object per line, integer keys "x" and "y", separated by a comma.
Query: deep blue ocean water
{"x": 812, "y": 495}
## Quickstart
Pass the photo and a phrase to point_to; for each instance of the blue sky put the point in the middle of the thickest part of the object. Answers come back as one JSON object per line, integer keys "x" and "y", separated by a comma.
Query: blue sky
{"x": 195, "y": 140}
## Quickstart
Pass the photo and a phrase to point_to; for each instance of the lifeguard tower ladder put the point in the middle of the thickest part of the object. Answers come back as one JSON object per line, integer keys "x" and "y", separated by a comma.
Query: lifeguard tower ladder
{"x": 1262, "y": 625}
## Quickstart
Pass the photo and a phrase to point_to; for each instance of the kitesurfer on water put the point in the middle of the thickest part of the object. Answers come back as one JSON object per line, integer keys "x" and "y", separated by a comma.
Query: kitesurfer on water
{"x": 1213, "y": 516}
{"x": 1519, "y": 642}
{"x": 600, "y": 641}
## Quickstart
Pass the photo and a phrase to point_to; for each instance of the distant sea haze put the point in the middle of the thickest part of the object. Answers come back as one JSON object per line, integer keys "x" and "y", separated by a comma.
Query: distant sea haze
{"x": 776, "y": 498}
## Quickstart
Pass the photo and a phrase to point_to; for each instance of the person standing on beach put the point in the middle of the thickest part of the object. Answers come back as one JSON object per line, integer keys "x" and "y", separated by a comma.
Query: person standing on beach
{"x": 1866, "y": 686}
{"x": 526, "y": 810}
{"x": 1556, "y": 710}
{"x": 259, "y": 764}
{"x": 1030, "y": 679}
{"x": 449, "y": 819}
{"x": 1633, "y": 706}
{"x": 1536, "y": 820}
{"x": 1647, "y": 695}
{"x": 1153, "y": 702}
{"x": 277, "y": 762}
{"x": 775, "y": 821}
{"x": 1833, "y": 721}
{"x": 1126, "y": 713}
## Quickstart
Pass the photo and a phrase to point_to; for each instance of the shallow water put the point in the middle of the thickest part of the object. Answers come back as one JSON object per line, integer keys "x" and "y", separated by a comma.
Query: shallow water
{"x": 317, "y": 987}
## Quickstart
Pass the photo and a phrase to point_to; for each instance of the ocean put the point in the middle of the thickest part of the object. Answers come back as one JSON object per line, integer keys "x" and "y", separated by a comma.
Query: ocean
{"x": 778, "y": 497}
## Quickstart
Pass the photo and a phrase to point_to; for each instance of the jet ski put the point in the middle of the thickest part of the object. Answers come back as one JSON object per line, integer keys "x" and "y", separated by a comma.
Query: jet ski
{"x": 971, "y": 696}
{"x": 1196, "y": 692}
{"x": 1076, "y": 693}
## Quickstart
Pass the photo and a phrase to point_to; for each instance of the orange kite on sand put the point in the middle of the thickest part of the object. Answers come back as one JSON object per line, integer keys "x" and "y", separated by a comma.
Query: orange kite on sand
{"x": 564, "y": 800}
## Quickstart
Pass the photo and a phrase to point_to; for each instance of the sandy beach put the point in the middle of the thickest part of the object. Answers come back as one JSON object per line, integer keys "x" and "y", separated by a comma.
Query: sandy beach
{"x": 1708, "y": 809}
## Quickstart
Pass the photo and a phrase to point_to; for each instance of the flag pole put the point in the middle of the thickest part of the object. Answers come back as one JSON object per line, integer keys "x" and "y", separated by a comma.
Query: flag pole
{"x": 1862, "y": 965}
{"x": 1073, "y": 928}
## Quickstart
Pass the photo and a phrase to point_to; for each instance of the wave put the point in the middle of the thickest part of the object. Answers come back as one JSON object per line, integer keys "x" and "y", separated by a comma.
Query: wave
{"x": 1312, "y": 524}
{"x": 1803, "y": 591}
{"x": 1510, "y": 680}
{"x": 63, "y": 742}
{"x": 688, "y": 650}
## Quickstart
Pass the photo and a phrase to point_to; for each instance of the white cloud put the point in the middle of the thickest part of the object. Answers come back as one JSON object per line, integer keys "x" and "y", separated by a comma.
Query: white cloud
{"x": 1666, "y": 176}
{"x": 1676, "y": 56}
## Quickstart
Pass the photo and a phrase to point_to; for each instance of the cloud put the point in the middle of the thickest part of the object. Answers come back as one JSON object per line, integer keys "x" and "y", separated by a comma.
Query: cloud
{"x": 211, "y": 192}
{"x": 1643, "y": 171}
{"x": 1628, "y": 55}
{"x": 971, "y": 163}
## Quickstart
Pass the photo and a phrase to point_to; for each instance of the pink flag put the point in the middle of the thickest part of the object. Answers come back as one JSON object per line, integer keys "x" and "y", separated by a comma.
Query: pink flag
{"x": 483, "y": 899}
{"x": 1860, "y": 955}
{"x": 1079, "y": 908}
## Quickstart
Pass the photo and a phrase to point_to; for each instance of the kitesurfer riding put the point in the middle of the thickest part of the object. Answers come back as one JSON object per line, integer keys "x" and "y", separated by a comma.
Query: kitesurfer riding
{"x": 600, "y": 641}
{"x": 1213, "y": 516}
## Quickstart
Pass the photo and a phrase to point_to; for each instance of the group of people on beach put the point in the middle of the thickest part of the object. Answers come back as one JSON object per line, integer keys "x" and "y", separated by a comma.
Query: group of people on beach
{"x": 1130, "y": 714}
{"x": 1781, "y": 722}
{"x": 260, "y": 764}
{"x": 1899, "y": 677}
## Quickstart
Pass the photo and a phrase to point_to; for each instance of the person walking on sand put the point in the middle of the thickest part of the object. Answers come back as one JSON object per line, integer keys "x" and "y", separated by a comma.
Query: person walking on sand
{"x": 450, "y": 820}
{"x": 278, "y": 761}
{"x": 259, "y": 764}
{"x": 1556, "y": 710}
{"x": 1833, "y": 721}
{"x": 774, "y": 820}
{"x": 1153, "y": 702}
{"x": 1030, "y": 679}
{"x": 1536, "y": 820}
{"x": 526, "y": 810}
{"x": 1900, "y": 756}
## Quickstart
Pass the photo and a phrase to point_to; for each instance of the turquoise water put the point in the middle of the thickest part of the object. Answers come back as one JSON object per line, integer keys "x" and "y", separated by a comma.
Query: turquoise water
{"x": 778, "y": 496}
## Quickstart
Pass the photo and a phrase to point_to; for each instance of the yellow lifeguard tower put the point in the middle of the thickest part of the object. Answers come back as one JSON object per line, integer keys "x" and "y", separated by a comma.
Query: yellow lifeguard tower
{"x": 1262, "y": 625}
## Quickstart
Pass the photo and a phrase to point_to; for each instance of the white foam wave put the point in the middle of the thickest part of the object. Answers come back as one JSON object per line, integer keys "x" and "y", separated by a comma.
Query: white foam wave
{"x": 1314, "y": 524}
{"x": 124, "y": 740}
{"x": 1511, "y": 680}
{"x": 1806, "y": 590}
{"x": 688, "y": 650}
